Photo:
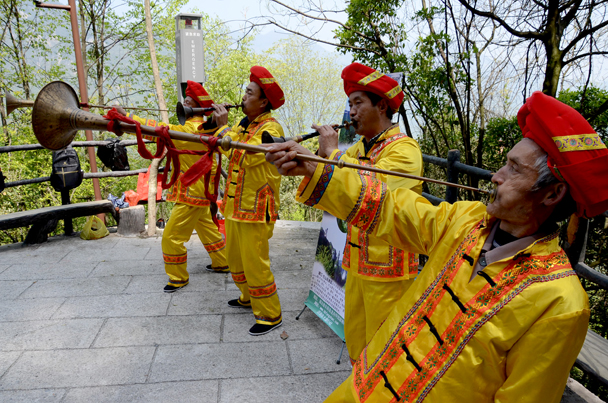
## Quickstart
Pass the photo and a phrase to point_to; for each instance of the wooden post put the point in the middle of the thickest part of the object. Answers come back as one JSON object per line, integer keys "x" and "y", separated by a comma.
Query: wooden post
{"x": 165, "y": 118}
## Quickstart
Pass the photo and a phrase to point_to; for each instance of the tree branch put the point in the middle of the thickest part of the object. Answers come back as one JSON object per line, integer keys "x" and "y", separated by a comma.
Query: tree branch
{"x": 503, "y": 23}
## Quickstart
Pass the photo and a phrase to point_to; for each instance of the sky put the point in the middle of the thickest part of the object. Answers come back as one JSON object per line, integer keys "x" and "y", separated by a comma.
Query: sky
{"x": 235, "y": 13}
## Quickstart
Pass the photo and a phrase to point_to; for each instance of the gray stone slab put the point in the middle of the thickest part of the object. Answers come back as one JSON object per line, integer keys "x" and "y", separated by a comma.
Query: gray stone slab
{"x": 7, "y": 359}
{"x": 213, "y": 361}
{"x": 128, "y": 268}
{"x": 282, "y": 263}
{"x": 40, "y": 271}
{"x": 292, "y": 389}
{"x": 204, "y": 303}
{"x": 289, "y": 250}
{"x": 293, "y": 299}
{"x": 140, "y": 242}
{"x": 114, "y": 306}
{"x": 78, "y": 368}
{"x": 32, "y": 255}
{"x": 160, "y": 330}
{"x": 103, "y": 254}
{"x": 78, "y": 287}
{"x": 12, "y": 289}
{"x": 307, "y": 327}
{"x": 317, "y": 355}
{"x": 3, "y": 267}
{"x": 49, "y": 334}
{"x": 293, "y": 279}
{"x": 32, "y": 396}
{"x": 182, "y": 392}
{"x": 28, "y": 309}
{"x": 198, "y": 283}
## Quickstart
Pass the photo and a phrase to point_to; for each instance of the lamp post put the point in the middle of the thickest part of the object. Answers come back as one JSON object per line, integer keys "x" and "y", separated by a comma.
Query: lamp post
{"x": 82, "y": 80}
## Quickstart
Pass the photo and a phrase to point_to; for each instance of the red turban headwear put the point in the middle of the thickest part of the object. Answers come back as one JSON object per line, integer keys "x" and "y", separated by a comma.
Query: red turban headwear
{"x": 262, "y": 77}
{"x": 358, "y": 77}
{"x": 198, "y": 93}
{"x": 576, "y": 154}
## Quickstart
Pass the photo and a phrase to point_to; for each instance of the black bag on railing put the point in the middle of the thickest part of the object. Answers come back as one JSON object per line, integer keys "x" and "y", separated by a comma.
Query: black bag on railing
{"x": 1, "y": 181}
{"x": 113, "y": 155}
{"x": 66, "y": 173}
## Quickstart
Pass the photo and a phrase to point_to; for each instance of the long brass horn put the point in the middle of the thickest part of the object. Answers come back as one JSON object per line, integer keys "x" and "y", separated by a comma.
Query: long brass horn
{"x": 56, "y": 119}
{"x": 12, "y": 102}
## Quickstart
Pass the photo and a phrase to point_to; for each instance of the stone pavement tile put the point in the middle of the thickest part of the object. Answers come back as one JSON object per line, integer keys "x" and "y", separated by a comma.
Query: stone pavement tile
{"x": 28, "y": 309}
{"x": 151, "y": 331}
{"x": 114, "y": 306}
{"x": 104, "y": 254}
{"x": 309, "y": 326}
{"x": 202, "y": 303}
{"x": 137, "y": 242}
{"x": 40, "y": 271}
{"x": 32, "y": 255}
{"x": 282, "y": 263}
{"x": 182, "y": 392}
{"x": 293, "y": 279}
{"x": 6, "y": 360}
{"x": 219, "y": 361}
{"x": 293, "y": 299}
{"x": 12, "y": 289}
{"x": 128, "y": 268}
{"x": 312, "y": 388}
{"x": 198, "y": 283}
{"x": 287, "y": 249}
{"x": 49, "y": 334}
{"x": 32, "y": 396}
{"x": 77, "y": 287}
{"x": 317, "y": 355}
{"x": 77, "y": 368}
{"x": 3, "y": 267}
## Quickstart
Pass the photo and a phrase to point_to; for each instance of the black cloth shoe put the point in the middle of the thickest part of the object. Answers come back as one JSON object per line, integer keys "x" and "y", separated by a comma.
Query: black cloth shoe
{"x": 236, "y": 303}
{"x": 224, "y": 269}
{"x": 172, "y": 288}
{"x": 259, "y": 329}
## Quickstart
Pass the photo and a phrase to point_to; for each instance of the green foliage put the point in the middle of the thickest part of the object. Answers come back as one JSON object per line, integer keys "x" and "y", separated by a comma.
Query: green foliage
{"x": 587, "y": 103}
{"x": 325, "y": 257}
{"x": 501, "y": 135}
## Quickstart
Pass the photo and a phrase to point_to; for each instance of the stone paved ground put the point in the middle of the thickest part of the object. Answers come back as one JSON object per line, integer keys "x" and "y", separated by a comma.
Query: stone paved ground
{"x": 87, "y": 321}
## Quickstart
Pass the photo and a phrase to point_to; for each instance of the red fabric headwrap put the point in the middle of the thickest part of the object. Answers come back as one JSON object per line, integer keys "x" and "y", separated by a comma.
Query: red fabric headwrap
{"x": 269, "y": 85}
{"x": 198, "y": 93}
{"x": 576, "y": 154}
{"x": 359, "y": 77}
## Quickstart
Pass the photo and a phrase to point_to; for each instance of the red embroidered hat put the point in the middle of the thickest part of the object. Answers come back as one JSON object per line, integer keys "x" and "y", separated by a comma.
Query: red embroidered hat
{"x": 577, "y": 155}
{"x": 358, "y": 77}
{"x": 196, "y": 91}
{"x": 262, "y": 77}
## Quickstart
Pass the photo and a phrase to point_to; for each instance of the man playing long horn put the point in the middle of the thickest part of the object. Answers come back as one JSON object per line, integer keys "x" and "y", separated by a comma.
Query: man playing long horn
{"x": 378, "y": 273}
{"x": 192, "y": 209}
{"x": 251, "y": 201}
{"x": 497, "y": 314}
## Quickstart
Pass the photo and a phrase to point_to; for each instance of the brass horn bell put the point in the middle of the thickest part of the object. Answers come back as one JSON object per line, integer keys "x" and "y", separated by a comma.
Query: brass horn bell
{"x": 12, "y": 102}
{"x": 56, "y": 117}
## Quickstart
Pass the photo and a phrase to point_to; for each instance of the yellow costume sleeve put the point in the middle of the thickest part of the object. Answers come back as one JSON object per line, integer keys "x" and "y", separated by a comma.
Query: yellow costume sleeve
{"x": 523, "y": 383}
{"x": 403, "y": 156}
{"x": 236, "y": 134}
{"x": 401, "y": 218}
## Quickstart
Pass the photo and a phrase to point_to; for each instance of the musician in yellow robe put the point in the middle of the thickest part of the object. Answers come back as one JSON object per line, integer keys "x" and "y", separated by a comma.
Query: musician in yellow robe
{"x": 497, "y": 314}
{"x": 378, "y": 273}
{"x": 192, "y": 209}
{"x": 251, "y": 201}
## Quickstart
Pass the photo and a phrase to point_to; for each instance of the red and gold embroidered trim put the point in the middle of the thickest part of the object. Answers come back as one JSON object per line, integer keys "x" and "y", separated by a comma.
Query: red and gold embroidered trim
{"x": 578, "y": 142}
{"x": 239, "y": 277}
{"x": 175, "y": 259}
{"x": 264, "y": 291}
{"x": 511, "y": 281}
{"x": 369, "y": 204}
{"x": 215, "y": 246}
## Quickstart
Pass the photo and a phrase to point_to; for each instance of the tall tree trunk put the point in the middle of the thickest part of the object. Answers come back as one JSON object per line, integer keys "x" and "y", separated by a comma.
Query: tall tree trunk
{"x": 165, "y": 117}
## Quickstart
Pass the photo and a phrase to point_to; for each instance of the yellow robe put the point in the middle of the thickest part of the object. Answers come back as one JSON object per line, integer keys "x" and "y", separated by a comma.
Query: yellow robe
{"x": 192, "y": 208}
{"x": 251, "y": 206}
{"x": 511, "y": 339}
{"x": 378, "y": 273}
